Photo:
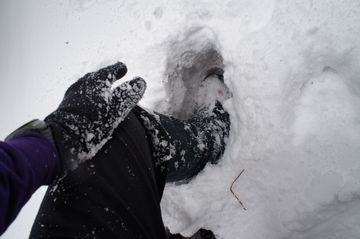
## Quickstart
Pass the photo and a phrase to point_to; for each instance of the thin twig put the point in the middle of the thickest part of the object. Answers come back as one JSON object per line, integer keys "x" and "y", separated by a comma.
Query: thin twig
{"x": 231, "y": 189}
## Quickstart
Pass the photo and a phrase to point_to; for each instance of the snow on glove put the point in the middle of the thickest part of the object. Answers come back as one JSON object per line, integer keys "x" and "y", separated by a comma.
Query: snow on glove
{"x": 182, "y": 148}
{"x": 90, "y": 112}
{"x": 213, "y": 127}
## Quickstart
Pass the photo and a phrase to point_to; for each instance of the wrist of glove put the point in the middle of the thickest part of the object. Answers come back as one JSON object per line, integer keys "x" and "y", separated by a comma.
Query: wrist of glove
{"x": 34, "y": 126}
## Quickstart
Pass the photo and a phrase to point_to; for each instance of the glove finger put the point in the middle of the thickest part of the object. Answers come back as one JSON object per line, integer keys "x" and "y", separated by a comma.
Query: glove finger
{"x": 104, "y": 77}
{"x": 92, "y": 82}
{"x": 223, "y": 117}
{"x": 126, "y": 96}
{"x": 111, "y": 73}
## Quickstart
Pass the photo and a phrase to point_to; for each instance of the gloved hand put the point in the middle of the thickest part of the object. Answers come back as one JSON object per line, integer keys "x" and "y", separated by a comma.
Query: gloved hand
{"x": 213, "y": 127}
{"x": 90, "y": 111}
{"x": 182, "y": 148}
{"x": 212, "y": 124}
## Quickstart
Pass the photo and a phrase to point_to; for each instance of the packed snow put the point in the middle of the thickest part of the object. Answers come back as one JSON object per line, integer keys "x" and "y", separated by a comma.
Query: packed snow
{"x": 293, "y": 70}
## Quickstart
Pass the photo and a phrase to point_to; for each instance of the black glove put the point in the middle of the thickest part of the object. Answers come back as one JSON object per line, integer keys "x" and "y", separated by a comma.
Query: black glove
{"x": 182, "y": 148}
{"x": 90, "y": 111}
{"x": 213, "y": 127}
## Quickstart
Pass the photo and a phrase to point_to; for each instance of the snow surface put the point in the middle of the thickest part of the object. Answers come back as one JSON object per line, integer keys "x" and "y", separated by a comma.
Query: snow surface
{"x": 293, "y": 68}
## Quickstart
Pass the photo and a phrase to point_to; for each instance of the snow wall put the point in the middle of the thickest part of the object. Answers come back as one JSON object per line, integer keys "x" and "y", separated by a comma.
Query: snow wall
{"x": 293, "y": 68}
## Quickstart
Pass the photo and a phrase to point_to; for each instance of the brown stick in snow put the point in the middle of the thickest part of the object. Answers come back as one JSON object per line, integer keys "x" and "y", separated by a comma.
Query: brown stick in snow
{"x": 231, "y": 189}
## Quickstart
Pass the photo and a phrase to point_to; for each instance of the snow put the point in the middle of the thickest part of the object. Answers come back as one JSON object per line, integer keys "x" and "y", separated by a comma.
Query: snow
{"x": 293, "y": 70}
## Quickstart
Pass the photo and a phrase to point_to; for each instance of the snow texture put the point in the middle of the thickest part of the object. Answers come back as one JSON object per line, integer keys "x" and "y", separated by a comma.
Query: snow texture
{"x": 292, "y": 66}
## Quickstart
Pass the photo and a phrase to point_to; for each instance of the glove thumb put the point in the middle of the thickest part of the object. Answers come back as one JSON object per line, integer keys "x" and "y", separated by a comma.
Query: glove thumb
{"x": 127, "y": 95}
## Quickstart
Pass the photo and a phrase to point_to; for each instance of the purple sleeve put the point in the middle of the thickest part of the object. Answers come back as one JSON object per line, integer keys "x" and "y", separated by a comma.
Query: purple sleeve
{"x": 26, "y": 163}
